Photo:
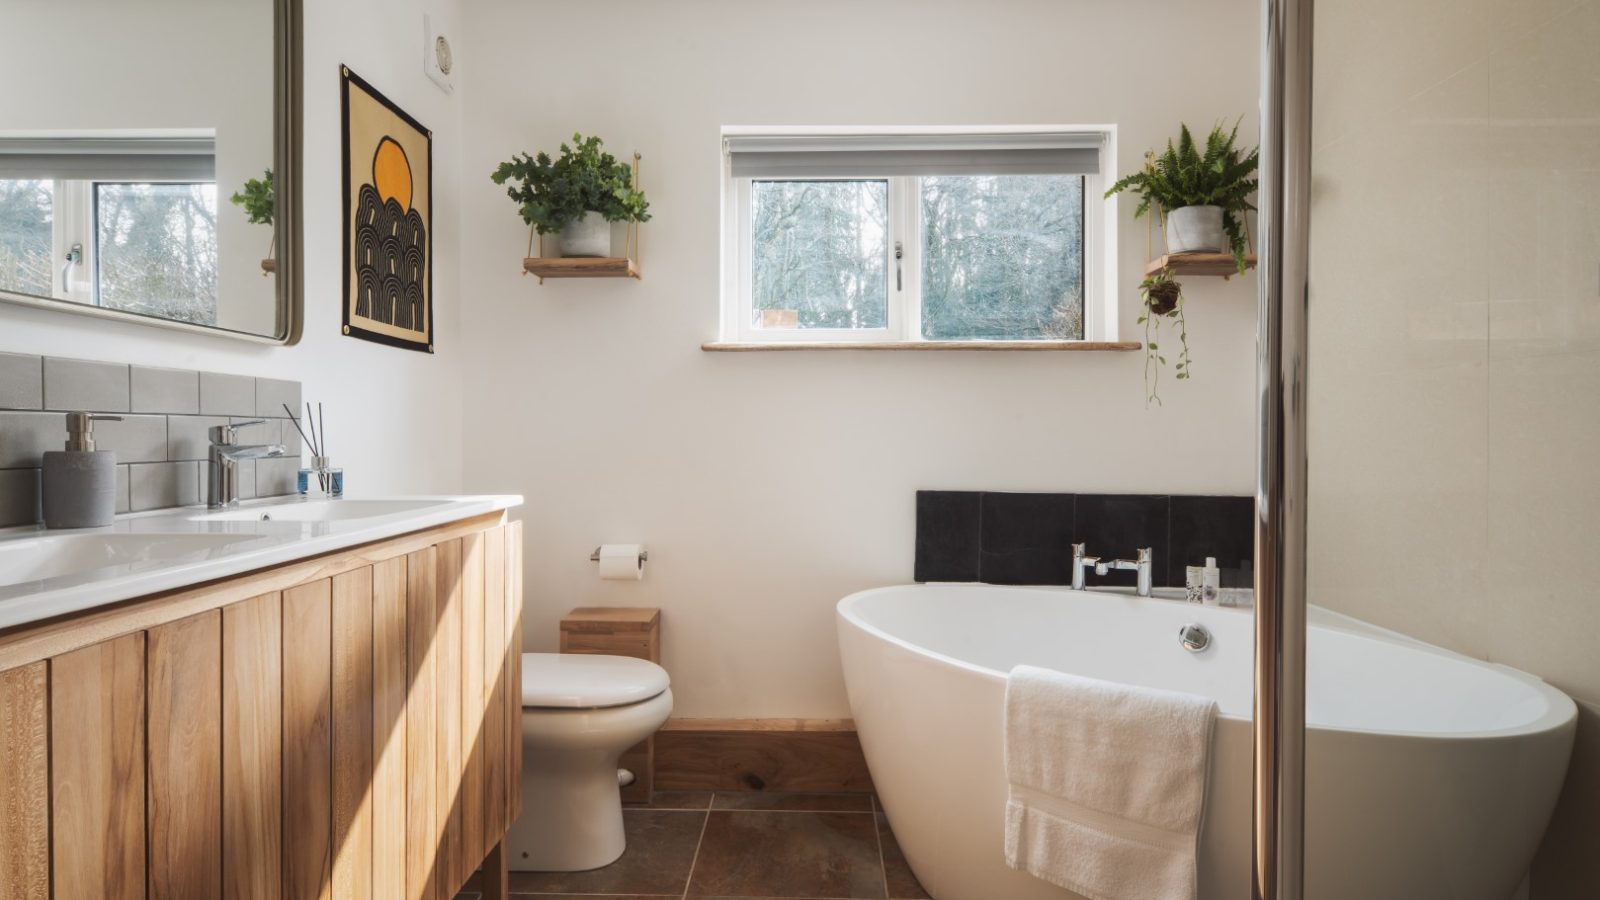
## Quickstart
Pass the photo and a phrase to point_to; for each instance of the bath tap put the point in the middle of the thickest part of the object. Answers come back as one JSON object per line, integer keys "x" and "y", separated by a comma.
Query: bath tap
{"x": 223, "y": 483}
{"x": 1080, "y": 562}
{"x": 1142, "y": 565}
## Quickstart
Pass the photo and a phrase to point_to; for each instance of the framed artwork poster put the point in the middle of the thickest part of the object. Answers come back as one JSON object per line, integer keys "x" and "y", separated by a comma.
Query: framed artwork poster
{"x": 388, "y": 219}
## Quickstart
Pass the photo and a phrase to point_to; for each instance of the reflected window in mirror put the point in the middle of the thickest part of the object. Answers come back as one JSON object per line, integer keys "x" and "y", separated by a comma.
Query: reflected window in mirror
{"x": 156, "y": 249}
{"x": 125, "y": 222}
{"x": 27, "y": 223}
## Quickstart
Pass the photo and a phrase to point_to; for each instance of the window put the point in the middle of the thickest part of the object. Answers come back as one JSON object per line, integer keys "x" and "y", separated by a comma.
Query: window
{"x": 156, "y": 249}
{"x": 949, "y": 236}
{"x": 127, "y": 223}
{"x": 27, "y": 213}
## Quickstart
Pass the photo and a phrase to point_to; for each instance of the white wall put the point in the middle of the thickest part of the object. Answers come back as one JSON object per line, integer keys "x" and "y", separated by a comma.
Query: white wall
{"x": 767, "y": 485}
{"x": 1455, "y": 349}
{"x": 393, "y": 415}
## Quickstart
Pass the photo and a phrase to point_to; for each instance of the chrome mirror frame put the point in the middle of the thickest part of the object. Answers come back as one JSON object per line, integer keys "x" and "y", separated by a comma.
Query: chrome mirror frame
{"x": 287, "y": 122}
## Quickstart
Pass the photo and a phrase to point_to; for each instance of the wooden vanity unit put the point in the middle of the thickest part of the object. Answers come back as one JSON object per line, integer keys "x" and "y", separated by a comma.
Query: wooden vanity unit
{"x": 342, "y": 726}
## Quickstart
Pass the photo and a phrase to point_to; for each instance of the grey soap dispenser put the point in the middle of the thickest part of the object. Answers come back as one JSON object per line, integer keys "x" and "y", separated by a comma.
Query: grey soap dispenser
{"x": 80, "y": 482}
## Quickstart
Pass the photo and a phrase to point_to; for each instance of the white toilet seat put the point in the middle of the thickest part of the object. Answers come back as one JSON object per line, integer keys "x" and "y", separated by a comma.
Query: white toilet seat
{"x": 588, "y": 681}
{"x": 611, "y": 727}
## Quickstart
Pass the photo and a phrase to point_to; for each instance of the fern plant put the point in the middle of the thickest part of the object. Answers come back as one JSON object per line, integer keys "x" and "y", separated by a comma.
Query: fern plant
{"x": 1163, "y": 299}
{"x": 551, "y": 194}
{"x": 1184, "y": 175}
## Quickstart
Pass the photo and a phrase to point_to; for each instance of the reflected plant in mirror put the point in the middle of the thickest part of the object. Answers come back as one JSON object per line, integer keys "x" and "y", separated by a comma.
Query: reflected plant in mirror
{"x": 110, "y": 187}
{"x": 259, "y": 201}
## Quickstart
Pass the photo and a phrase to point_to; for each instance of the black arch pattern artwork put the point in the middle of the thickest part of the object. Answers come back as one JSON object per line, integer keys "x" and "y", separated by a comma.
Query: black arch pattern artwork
{"x": 391, "y": 262}
{"x": 388, "y": 295}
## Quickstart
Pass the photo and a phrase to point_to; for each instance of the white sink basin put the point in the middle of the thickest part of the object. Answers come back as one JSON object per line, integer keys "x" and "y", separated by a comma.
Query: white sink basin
{"x": 321, "y": 511}
{"x": 54, "y": 555}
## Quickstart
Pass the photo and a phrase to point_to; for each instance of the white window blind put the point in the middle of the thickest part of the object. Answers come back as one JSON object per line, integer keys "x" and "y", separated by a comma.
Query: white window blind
{"x": 109, "y": 158}
{"x": 891, "y": 155}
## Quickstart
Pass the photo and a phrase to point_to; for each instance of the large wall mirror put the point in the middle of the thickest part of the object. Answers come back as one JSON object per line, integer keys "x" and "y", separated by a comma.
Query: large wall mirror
{"x": 149, "y": 155}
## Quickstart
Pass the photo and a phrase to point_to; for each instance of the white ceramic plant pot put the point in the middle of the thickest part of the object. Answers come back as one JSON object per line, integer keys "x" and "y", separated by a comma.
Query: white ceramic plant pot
{"x": 1195, "y": 229}
{"x": 588, "y": 236}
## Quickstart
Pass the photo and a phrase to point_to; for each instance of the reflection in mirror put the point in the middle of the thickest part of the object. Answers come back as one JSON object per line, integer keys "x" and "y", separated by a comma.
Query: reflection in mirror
{"x": 115, "y": 183}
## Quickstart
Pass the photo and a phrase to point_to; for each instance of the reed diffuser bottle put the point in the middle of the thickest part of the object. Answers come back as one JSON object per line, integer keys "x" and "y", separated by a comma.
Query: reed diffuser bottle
{"x": 322, "y": 478}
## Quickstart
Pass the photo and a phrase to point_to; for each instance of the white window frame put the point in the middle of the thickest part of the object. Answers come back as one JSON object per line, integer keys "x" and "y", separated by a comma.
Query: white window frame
{"x": 74, "y": 220}
{"x": 904, "y": 308}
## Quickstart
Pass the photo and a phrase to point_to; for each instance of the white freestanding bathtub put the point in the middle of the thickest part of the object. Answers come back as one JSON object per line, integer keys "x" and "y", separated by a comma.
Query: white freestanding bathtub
{"x": 1429, "y": 774}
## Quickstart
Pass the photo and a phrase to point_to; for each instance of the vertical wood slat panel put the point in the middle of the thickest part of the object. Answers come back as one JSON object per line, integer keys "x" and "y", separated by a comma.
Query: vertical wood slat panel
{"x": 25, "y": 782}
{"x": 389, "y": 680}
{"x": 252, "y": 748}
{"x": 451, "y": 864}
{"x": 184, "y": 660}
{"x": 422, "y": 829}
{"x": 97, "y": 755}
{"x": 307, "y": 741}
{"x": 496, "y": 765}
{"x": 472, "y": 705}
{"x": 352, "y": 735}
{"x": 513, "y": 532}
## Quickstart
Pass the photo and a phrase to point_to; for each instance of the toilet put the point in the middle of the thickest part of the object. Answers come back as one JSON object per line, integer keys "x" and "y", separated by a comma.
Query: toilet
{"x": 579, "y": 713}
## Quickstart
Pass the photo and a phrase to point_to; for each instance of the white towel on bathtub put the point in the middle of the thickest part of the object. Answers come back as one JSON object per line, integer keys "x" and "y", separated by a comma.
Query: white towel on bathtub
{"x": 1107, "y": 784}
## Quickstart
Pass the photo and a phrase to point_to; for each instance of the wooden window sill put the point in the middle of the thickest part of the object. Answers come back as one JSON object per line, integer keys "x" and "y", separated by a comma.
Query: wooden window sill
{"x": 1074, "y": 346}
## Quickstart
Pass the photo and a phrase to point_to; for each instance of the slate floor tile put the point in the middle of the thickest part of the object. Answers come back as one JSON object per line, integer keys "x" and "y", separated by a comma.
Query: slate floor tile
{"x": 661, "y": 847}
{"x": 748, "y": 853}
{"x": 799, "y": 802}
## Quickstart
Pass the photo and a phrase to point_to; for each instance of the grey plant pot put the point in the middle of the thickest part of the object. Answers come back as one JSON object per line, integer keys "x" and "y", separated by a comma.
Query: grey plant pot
{"x": 588, "y": 236}
{"x": 1195, "y": 229}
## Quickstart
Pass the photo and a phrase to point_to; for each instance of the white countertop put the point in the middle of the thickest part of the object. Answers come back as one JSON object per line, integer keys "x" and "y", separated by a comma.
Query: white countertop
{"x": 265, "y": 544}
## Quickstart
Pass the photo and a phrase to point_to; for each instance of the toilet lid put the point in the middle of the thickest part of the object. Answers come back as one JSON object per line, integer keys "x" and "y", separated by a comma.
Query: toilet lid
{"x": 587, "y": 681}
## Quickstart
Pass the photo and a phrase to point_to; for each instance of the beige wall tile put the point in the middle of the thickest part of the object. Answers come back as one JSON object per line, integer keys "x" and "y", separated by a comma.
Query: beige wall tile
{"x": 1456, "y": 347}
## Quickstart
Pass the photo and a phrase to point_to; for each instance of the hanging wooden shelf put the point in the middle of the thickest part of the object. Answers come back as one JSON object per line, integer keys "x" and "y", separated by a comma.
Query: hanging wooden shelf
{"x": 582, "y": 267}
{"x": 1198, "y": 264}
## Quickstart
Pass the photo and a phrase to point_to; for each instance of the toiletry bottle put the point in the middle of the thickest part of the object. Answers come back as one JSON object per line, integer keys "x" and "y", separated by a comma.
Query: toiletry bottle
{"x": 1211, "y": 583}
{"x": 80, "y": 482}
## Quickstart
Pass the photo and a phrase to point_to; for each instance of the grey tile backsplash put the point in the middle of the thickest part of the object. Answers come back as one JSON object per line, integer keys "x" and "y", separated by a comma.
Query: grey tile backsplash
{"x": 162, "y": 441}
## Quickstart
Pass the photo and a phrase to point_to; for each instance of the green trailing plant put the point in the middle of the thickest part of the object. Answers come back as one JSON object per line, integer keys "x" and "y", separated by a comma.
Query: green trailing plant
{"x": 1163, "y": 299}
{"x": 1184, "y": 175}
{"x": 551, "y": 194}
{"x": 257, "y": 199}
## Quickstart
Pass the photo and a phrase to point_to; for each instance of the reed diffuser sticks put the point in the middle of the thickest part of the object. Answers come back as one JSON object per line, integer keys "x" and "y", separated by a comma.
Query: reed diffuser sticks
{"x": 318, "y": 442}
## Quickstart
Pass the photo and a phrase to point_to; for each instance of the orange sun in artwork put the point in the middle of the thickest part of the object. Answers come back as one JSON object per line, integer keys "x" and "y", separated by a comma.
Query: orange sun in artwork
{"x": 391, "y": 173}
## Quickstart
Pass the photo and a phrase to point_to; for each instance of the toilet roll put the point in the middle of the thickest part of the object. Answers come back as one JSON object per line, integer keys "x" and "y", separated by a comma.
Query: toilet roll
{"x": 621, "y": 561}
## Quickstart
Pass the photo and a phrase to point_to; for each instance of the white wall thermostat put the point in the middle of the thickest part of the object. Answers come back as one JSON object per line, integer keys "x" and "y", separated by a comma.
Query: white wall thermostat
{"x": 437, "y": 59}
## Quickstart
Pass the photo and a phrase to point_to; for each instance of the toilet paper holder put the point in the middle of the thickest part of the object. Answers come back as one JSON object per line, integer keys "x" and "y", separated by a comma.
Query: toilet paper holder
{"x": 644, "y": 555}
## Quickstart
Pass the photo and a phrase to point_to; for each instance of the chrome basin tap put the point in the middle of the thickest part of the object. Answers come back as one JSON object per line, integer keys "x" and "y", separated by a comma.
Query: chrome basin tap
{"x": 1142, "y": 565}
{"x": 226, "y": 451}
{"x": 1080, "y": 563}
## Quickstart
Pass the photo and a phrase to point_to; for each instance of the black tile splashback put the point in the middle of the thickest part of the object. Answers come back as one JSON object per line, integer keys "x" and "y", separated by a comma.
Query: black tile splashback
{"x": 947, "y": 535}
{"x": 1223, "y": 527}
{"x": 1019, "y": 534}
{"x": 1023, "y": 538}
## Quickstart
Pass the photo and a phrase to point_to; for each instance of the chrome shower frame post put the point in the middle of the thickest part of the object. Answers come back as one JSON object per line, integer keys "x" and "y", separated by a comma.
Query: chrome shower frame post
{"x": 1278, "y": 864}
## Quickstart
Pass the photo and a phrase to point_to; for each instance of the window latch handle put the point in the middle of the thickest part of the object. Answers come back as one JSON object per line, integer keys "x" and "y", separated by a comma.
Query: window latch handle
{"x": 74, "y": 257}
{"x": 899, "y": 253}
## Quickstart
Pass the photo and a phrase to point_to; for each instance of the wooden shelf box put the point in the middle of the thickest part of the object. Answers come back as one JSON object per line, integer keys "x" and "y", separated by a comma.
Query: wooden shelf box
{"x": 620, "y": 631}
